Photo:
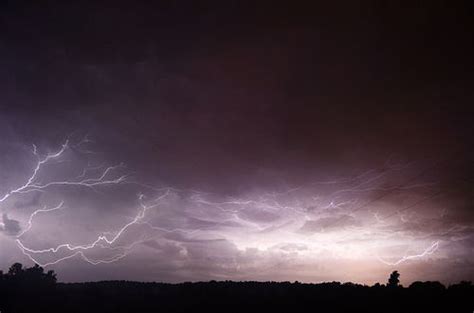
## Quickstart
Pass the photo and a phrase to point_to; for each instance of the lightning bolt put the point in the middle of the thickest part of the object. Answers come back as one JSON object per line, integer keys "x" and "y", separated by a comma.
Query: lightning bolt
{"x": 32, "y": 185}
{"x": 430, "y": 250}
{"x": 292, "y": 208}
{"x": 102, "y": 239}
{"x": 43, "y": 210}
{"x": 103, "y": 178}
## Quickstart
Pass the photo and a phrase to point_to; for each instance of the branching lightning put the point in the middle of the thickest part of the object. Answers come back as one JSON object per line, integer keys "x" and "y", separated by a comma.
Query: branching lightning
{"x": 100, "y": 239}
{"x": 32, "y": 185}
{"x": 267, "y": 221}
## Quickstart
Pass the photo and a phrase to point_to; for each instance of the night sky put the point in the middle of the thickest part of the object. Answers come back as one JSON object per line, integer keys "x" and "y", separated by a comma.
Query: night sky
{"x": 183, "y": 141}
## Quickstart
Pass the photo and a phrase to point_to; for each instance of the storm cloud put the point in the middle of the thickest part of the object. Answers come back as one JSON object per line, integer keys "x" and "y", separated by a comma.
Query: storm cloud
{"x": 234, "y": 141}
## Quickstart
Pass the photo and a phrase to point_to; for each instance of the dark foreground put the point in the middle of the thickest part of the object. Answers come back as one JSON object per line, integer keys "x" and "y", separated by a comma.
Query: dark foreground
{"x": 32, "y": 290}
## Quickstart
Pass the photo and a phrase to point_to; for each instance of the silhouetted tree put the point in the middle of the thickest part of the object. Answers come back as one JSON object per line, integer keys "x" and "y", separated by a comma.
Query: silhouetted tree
{"x": 51, "y": 276}
{"x": 16, "y": 269}
{"x": 30, "y": 275}
{"x": 393, "y": 280}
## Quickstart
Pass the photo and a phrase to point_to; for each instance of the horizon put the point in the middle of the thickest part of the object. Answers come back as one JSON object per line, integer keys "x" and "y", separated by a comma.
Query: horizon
{"x": 399, "y": 283}
{"x": 46, "y": 295}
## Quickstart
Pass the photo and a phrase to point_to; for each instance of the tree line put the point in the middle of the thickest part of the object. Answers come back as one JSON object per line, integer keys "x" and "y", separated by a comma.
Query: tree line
{"x": 34, "y": 290}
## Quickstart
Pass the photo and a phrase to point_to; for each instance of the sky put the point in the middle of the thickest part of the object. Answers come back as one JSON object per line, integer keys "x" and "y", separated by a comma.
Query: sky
{"x": 186, "y": 141}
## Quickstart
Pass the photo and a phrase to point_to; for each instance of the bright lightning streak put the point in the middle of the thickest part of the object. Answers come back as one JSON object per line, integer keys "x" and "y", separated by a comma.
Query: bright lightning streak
{"x": 290, "y": 210}
{"x": 43, "y": 210}
{"x": 430, "y": 250}
{"x": 144, "y": 208}
{"x": 83, "y": 180}
{"x": 78, "y": 253}
{"x": 31, "y": 184}
{"x": 37, "y": 168}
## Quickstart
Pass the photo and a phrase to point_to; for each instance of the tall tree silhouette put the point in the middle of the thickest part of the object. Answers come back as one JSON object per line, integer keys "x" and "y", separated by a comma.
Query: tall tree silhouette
{"x": 15, "y": 269}
{"x": 393, "y": 281}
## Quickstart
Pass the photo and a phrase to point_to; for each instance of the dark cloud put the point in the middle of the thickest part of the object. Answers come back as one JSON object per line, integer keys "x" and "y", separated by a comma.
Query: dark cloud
{"x": 277, "y": 127}
{"x": 9, "y": 226}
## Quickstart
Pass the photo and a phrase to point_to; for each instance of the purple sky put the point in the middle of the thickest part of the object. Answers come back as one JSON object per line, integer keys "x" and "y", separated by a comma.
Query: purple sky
{"x": 182, "y": 141}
